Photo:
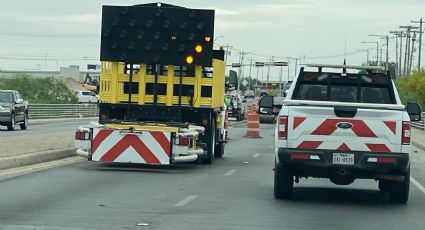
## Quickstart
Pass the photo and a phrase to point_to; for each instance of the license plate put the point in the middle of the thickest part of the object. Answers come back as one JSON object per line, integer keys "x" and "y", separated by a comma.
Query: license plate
{"x": 343, "y": 159}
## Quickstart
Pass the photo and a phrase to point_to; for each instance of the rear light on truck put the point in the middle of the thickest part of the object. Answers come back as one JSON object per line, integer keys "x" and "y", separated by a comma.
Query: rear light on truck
{"x": 81, "y": 135}
{"x": 282, "y": 127}
{"x": 406, "y": 132}
{"x": 182, "y": 141}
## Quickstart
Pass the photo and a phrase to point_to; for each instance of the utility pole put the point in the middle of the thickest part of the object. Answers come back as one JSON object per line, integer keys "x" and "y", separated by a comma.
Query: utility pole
{"x": 227, "y": 52}
{"x": 413, "y": 50}
{"x": 280, "y": 81}
{"x": 397, "y": 51}
{"x": 268, "y": 73}
{"x": 420, "y": 42}
{"x": 250, "y": 78}
{"x": 401, "y": 52}
{"x": 386, "y": 56}
{"x": 408, "y": 55}
{"x": 241, "y": 54}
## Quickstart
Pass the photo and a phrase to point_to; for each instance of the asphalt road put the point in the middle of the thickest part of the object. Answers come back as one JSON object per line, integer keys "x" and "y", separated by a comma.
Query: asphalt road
{"x": 234, "y": 193}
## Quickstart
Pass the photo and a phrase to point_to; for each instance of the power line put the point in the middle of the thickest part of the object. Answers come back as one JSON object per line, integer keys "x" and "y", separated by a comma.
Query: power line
{"x": 50, "y": 59}
{"x": 21, "y": 34}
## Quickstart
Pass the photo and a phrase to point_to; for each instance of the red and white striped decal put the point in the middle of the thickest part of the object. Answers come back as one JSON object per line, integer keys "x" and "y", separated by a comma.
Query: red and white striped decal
{"x": 360, "y": 137}
{"x": 148, "y": 147}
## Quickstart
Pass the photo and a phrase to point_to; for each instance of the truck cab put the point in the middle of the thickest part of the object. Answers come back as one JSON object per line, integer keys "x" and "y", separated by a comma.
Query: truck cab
{"x": 344, "y": 126}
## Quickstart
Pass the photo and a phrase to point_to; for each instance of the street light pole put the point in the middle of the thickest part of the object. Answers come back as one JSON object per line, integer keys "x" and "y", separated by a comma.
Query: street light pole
{"x": 377, "y": 51}
{"x": 386, "y": 44}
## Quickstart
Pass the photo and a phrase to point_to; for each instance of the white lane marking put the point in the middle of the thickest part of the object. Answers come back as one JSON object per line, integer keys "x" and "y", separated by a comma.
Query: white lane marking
{"x": 9, "y": 173}
{"x": 186, "y": 201}
{"x": 229, "y": 173}
{"x": 418, "y": 185}
{"x": 256, "y": 155}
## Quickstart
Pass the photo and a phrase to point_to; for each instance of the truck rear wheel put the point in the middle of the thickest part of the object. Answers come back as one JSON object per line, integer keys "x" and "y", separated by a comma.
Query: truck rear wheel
{"x": 399, "y": 190}
{"x": 219, "y": 150}
{"x": 11, "y": 125}
{"x": 211, "y": 134}
{"x": 283, "y": 182}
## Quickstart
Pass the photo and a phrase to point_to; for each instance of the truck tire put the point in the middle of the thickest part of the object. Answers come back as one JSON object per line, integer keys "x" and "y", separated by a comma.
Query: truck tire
{"x": 283, "y": 182}
{"x": 399, "y": 190}
{"x": 11, "y": 125}
{"x": 219, "y": 149}
{"x": 24, "y": 124}
{"x": 211, "y": 137}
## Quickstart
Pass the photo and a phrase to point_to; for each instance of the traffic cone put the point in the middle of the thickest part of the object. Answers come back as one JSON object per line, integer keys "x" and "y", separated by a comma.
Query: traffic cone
{"x": 252, "y": 126}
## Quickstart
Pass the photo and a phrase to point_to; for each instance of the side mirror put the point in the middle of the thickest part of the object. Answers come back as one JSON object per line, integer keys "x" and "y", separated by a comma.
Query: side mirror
{"x": 244, "y": 101}
{"x": 414, "y": 111}
{"x": 20, "y": 101}
{"x": 284, "y": 94}
{"x": 266, "y": 102}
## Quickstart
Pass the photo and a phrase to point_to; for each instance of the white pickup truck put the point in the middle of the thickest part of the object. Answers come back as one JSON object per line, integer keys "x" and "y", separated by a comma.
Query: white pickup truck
{"x": 343, "y": 126}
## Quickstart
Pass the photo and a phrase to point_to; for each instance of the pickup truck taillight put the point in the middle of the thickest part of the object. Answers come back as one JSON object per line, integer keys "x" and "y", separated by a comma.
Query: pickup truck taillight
{"x": 282, "y": 127}
{"x": 405, "y": 135}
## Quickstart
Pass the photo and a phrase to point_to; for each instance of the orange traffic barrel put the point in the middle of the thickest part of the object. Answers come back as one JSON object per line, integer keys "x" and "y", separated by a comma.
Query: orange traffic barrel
{"x": 252, "y": 125}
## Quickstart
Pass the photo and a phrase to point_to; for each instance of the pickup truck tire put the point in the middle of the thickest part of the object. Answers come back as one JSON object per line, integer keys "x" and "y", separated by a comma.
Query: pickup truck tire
{"x": 209, "y": 157}
{"x": 283, "y": 182}
{"x": 11, "y": 125}
{"x": 399, "y": 190}
{"x": 24, "y": 124}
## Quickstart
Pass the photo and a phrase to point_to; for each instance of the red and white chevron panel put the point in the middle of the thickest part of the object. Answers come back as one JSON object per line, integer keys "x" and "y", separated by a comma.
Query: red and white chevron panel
{"x": 364, "y": 135}
{"x": 146, "y": 147}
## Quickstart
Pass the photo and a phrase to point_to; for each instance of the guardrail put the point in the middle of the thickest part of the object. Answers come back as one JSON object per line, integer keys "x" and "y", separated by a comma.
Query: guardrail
{"x": 419, "y": 124}
{"x": 52, "y": 111}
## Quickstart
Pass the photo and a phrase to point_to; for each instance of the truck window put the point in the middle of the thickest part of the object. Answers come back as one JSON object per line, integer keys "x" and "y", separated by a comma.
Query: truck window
{"x": 353, "y": 88}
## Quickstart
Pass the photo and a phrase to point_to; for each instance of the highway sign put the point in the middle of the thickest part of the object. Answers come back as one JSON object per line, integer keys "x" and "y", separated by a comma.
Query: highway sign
{"x": 259, "y": 64}
{"x": 280, "y": 63}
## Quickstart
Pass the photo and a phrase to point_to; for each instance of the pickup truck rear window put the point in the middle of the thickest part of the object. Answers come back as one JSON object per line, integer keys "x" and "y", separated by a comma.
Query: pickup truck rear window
{"x": 344, "y": 89}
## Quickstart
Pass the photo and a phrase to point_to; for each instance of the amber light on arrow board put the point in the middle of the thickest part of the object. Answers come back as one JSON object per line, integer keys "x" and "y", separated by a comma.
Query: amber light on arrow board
{"x": 198, "y": 48}
{"x": 189, "y": 59}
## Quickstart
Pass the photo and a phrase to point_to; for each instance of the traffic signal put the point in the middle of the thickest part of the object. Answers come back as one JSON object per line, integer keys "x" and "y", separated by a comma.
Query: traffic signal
{"x": 157, "y": 33}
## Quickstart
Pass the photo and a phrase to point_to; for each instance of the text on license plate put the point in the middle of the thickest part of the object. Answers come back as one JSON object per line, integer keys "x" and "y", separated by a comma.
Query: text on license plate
{"x": 343, "y": 158}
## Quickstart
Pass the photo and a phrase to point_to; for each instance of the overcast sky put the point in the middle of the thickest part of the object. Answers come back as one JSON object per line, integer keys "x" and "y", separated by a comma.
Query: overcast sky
{"x": 310, "y": 29}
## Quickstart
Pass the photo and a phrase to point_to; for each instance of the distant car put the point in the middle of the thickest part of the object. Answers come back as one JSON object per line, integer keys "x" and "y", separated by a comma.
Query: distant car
{"x": 86, "y": 96}
{"x": 249, "y": 94}
{"x": 13, "y": 110}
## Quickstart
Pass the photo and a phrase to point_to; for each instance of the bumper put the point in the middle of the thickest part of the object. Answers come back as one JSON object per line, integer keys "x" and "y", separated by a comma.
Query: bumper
{"x": 4, "y": 117}
{"x": 366, "y": 165}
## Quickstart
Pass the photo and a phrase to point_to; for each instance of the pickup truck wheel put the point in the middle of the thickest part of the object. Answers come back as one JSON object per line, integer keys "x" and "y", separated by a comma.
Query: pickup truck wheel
{"x": 24, "y": 124}
{"x": 283, "y": 182}
{"x": 11, "y": 125}
{"x": 209, "y": 157}
{"x": 399, "y": 190}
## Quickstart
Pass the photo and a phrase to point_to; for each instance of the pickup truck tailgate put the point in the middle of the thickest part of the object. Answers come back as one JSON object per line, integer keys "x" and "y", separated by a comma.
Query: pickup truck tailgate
{"x": 369, "y": 130}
